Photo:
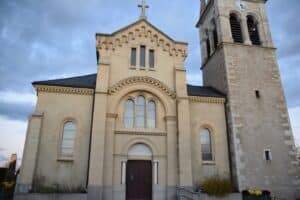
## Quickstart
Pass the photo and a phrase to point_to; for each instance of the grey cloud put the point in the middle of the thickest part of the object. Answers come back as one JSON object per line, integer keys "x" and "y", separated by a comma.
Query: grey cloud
{"x": 16, "y": 111}
{"x": 290, "y": 73}
{"x": 284, "y": 19}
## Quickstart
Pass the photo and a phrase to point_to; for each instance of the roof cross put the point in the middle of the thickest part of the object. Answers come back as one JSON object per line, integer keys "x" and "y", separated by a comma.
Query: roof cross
{"x": 143, "y": 7}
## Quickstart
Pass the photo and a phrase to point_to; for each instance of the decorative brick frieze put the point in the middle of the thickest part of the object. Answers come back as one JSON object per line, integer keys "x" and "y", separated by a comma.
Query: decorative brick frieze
{"x": 207, "y": 99}
{"x": 141, "y": 79}
{"x": 65, "y": 90}
{"x": 117, "y": 40}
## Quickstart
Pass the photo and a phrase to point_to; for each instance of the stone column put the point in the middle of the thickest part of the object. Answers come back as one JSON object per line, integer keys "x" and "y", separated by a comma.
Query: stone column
{"x": 108, "y": 159}
{"x": 95, "y": 184}
{"x": 30, "y": 155}
{"x": 245, "y": 32}
{"x": 172, "y": 162}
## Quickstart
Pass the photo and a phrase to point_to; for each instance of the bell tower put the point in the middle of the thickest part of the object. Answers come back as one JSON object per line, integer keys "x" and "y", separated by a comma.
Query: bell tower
{"x": 239, "y": 59}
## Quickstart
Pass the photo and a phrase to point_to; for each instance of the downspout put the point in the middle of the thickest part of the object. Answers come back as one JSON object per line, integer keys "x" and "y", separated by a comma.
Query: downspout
{"x": 90, "y": 142}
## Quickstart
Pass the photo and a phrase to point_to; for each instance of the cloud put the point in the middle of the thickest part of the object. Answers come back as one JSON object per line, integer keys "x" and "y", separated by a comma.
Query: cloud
{"x": 285, "y": 27}
{"x": 18, "y": 98}
{"x": 16, "y": 111}
{"x": 295, "y": 121}
{"x": 12, "y": 138}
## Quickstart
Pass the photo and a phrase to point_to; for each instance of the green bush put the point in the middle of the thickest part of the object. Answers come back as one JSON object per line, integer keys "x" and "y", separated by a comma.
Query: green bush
{"x": 216, "y": 186}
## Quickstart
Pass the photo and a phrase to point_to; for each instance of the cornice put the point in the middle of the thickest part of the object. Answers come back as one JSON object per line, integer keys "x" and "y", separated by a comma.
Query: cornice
{"x": 65, "y": 90}
{"x": 212, "y": 100}
{"x": 141, "y": 79}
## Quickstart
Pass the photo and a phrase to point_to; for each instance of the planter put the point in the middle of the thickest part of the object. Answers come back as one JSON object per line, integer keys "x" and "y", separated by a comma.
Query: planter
{"x": 265, "y": 195}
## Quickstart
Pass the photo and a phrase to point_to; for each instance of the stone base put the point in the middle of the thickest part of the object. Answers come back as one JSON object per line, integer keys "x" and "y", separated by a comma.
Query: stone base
{"x": 22, "y": 188}
{"x": 235, "y": 196}
{"x": 38, "y": 196}
{"x": 94, "y": 192}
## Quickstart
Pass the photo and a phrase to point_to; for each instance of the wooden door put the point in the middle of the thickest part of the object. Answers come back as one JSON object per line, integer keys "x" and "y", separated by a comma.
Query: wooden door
{"x": 139, "y": 180}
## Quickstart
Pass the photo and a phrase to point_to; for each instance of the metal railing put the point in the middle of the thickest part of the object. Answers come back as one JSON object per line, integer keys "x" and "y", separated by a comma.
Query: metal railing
{"x": 184, "y": 193}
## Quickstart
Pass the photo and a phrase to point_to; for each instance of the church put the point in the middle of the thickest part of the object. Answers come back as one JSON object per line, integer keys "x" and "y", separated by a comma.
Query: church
{"x": 137, "y": 130}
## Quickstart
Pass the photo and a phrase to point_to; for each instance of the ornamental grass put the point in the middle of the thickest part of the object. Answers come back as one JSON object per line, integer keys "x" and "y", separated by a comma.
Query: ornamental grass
{"x": 216, "y": 186}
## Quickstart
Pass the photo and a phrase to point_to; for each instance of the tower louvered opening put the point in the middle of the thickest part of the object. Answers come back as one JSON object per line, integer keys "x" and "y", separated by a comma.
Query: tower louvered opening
{"x": 215, "y": 35}
{"x": 236, "y": 29}
{"x": 253, "y": 31}
{"x": 208, "y": 47}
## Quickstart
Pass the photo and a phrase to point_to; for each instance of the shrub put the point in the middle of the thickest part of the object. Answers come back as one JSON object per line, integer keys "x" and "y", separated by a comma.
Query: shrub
{"x": 216, "y": 186}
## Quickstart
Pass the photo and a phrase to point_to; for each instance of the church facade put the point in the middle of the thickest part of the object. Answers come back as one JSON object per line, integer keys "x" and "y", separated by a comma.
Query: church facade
{"x": 137, "y": 130}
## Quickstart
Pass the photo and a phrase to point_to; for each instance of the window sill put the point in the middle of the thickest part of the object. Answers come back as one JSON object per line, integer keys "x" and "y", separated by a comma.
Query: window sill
{"x": 65, "y": 159}
{"x": 208, "y": 163}
{"x": 152, "y": 69}
{"x": 133, "y": 67}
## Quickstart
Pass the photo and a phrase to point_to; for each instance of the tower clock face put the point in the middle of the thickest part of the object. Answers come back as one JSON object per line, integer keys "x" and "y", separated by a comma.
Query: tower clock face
{"x": 241, "y": 5}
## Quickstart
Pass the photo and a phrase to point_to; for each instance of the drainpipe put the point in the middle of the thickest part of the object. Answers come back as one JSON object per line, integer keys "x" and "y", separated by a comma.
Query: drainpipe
{"x": 90, "y": 142}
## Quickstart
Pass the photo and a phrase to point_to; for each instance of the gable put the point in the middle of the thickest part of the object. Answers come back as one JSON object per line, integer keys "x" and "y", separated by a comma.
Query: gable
{"x": 141, "y": 28}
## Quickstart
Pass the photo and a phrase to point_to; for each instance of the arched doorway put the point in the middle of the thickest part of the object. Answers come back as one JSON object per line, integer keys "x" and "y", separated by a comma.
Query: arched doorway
{"x": 139, "y": 173}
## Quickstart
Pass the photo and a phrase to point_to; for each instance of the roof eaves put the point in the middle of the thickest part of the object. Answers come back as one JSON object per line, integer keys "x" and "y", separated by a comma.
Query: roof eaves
{"x": 61, "y": 85}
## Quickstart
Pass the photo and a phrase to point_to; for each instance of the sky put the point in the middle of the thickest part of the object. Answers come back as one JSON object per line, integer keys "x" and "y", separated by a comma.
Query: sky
{"x": 49, "y": 39}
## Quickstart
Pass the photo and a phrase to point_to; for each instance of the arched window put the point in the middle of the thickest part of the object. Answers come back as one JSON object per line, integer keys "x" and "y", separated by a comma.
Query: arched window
{"x": 140, "y": 112}
{"x": 215, "y": 34}
{"x": 236, "y": 29}
{"x": 129, "y": 114}
{"x": 207, "y": 44}
{"x": 68, "y": 139}
{"x": 206, "y": 145}
{"x": 253, "y": 30}
{"x": 151, "y": 114}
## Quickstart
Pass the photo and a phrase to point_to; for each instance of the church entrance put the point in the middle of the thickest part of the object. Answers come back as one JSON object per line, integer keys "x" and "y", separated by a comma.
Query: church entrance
{"x": 139, "y": 180}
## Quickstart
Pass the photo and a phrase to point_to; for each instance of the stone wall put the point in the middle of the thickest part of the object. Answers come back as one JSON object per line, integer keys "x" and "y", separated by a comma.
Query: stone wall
{"x": 256, "y": 122}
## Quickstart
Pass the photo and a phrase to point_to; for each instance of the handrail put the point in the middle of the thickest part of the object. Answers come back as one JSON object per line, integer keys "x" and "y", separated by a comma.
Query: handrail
{"x": 184, "y": 193}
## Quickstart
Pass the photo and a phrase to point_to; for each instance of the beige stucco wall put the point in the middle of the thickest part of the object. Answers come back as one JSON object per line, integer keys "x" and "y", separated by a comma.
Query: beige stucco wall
{"x": 209, "y": 116}
{"x": 51, "y": 168}
{"x": 116, "y": 50}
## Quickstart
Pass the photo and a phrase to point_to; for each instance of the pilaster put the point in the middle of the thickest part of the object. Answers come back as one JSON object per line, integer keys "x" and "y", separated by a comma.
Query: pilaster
{"x": 184, "y": 129}
{"x": 224, "y": 27}
{"x": 97, "y": 154}
{"x": 108, "y": 159}
{"x": 172, "y": 162}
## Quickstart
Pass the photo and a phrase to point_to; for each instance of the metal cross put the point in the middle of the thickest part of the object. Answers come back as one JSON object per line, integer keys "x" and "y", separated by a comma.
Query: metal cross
{"x": 143, "y": 7}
